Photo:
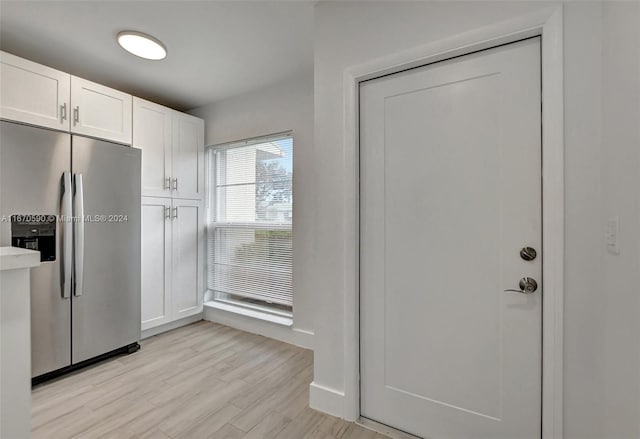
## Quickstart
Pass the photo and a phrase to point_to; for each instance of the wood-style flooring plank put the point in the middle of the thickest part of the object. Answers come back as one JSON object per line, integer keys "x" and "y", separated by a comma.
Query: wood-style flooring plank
{"x": 228, "y": 432}
{"x": 201, "y": 381}
{"x": 268, "y": 427}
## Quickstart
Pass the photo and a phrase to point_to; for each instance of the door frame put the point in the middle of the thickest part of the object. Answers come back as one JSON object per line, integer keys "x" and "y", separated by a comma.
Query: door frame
{"x": 548, "y": 24}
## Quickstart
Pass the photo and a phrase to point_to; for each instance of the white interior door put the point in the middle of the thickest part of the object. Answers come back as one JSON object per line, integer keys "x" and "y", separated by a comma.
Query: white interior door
{"x": 450, "y": 194}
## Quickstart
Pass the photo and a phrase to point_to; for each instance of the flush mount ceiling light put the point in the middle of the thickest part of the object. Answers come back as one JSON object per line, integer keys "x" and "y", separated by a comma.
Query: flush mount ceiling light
{"x": 142, "y": 45}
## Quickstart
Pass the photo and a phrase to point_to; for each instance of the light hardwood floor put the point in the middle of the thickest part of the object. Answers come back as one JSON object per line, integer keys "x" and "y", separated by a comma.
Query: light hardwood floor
{"x": 201, "y": 381}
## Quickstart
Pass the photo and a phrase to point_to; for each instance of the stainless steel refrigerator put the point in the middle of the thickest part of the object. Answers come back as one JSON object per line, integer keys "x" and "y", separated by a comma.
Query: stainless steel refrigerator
{"x": 77, "y": 201}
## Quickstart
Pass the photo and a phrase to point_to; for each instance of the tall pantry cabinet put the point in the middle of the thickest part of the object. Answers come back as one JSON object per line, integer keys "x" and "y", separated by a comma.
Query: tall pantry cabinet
{"x": 172, "y": 145}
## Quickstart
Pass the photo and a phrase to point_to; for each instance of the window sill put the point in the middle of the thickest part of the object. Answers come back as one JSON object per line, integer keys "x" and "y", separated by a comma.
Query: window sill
{"x": 260, "y": 315}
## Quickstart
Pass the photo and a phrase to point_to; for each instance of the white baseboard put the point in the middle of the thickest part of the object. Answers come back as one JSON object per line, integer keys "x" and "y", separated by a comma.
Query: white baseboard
{"x": 287, "y": 334}
{"x": 384, "y": 429}
{"x": 326, "y": 400}
{"x": 172, "y": 325}
{"x": 251, "y": 312}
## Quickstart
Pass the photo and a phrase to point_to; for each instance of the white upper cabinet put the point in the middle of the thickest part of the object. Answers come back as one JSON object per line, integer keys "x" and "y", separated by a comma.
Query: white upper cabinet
{"x": 187, "y": 156}
{"x": 33, "y": 93}
{"x": 100, "y": 111}
{"x": 39, "y": 95}
{"x": 172, "y": 146}
{"x": 152, "y": 133}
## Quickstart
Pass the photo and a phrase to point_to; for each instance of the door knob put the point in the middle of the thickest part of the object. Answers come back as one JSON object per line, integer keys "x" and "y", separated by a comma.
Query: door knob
{"x": 527, "y": 285}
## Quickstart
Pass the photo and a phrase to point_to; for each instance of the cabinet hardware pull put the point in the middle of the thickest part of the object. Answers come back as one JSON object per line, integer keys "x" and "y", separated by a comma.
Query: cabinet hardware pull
{"x": 76, "y": 115}
{"x": 167, "y": 184}
{"x": 175, "y": 212}
{"x": 175, "y": 184}
{"x": 63, "y": 112}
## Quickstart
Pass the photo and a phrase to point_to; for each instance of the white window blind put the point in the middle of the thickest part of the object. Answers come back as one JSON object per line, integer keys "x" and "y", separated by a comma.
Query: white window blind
{"x": 249, "y": 212}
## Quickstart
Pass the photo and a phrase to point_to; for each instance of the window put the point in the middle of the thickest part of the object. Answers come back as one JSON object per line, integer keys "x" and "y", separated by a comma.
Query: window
{"x": 249, "y": 217}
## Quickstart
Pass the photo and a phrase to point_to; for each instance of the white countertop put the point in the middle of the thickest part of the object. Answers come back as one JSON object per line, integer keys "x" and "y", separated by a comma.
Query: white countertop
{"x": 13, "y": 258}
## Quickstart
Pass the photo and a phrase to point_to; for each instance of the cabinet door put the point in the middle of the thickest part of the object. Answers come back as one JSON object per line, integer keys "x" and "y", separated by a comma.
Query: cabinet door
{"x": 187, "y": 272}
{"x": 156, "y": 262}
{"x": 188, "y": 157}
{"x": 100, "y": 111}
{"x": 152, "y": 133}
{"x": 33, "y": 93}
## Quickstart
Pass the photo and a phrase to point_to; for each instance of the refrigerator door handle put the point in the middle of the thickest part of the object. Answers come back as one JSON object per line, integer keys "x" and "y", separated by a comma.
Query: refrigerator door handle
{"x": 79, "y": 235}
{"x": 67, "y": 234}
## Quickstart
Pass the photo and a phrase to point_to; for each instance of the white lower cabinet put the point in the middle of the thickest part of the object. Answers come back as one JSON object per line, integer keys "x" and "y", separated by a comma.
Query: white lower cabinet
{"x": 172, "y": 260}
{"x": 156, "y": 262}
{"x": 187, "y": 239}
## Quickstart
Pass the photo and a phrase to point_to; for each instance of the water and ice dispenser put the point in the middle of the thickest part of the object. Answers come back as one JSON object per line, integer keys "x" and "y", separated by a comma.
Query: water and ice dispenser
{"x": 35, "y": 232}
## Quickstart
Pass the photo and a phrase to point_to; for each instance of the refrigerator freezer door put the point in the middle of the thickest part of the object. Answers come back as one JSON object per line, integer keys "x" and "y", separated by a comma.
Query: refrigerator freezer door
{"x": 106, "y": 312}
{"x": 32, "y": 164}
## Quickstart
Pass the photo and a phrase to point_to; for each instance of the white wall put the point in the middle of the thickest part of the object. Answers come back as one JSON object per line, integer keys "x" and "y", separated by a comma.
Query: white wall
{"x": 282, "y": 107}
{"x": 621, "y": 197}
{"x": 584, "y": 252}
{"x": 602, "y": 179}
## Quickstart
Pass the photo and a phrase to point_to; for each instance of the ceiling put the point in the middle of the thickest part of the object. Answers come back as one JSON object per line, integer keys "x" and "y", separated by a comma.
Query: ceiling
{"x": 215, "y": 49}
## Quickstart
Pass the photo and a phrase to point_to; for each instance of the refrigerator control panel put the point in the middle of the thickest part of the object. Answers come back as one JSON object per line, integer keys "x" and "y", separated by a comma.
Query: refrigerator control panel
{"x": 35, "y": 232}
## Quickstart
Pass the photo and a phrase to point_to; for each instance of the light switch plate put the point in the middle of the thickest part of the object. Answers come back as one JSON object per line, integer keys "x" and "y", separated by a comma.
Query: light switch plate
{"x": 611, "y": 235}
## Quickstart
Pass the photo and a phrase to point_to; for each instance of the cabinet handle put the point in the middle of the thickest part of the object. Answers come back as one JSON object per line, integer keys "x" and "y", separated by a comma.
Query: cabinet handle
{"x": 167, "y": 212}
{"x": 167, "y": 184}
{"x": 175, "y": 184}
{"x": 76, "y": 115}
{"x": 175, "y": 212}
{"x": 63, "y": 112}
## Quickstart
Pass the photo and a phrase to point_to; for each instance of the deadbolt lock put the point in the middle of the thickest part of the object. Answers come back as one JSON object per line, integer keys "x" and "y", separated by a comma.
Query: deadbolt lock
{"x": 528, "y": 253}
